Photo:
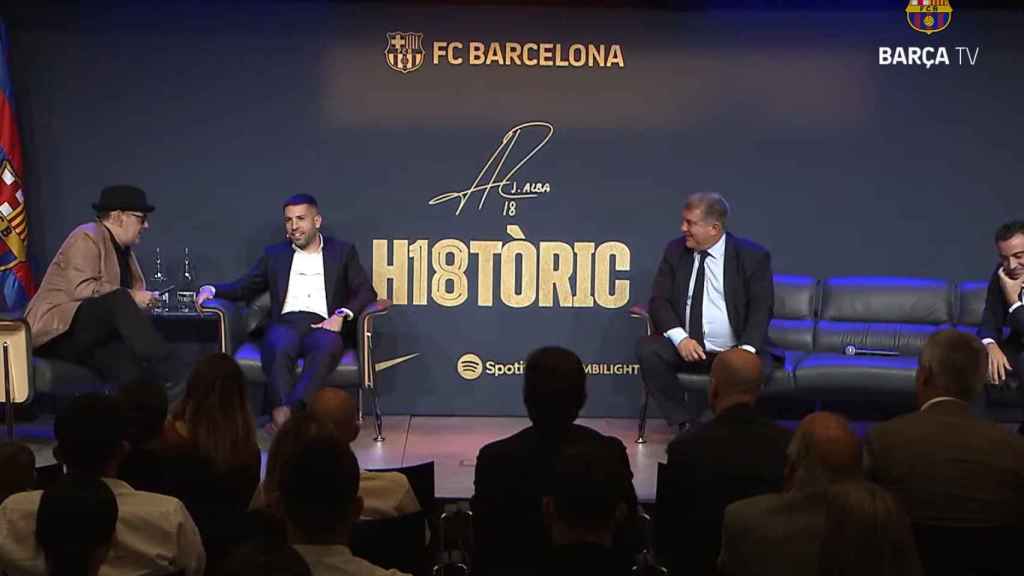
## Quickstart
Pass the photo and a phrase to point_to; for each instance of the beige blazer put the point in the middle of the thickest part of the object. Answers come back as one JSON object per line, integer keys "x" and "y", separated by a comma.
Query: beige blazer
{"x": 85, "y": 267}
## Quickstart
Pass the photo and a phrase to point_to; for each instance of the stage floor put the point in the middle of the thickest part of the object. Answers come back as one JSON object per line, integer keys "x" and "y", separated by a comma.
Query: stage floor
{"x": 452, "y": 442}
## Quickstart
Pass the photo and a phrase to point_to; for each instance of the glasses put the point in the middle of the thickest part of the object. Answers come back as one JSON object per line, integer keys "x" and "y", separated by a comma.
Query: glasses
{"x": 142, "y": 217}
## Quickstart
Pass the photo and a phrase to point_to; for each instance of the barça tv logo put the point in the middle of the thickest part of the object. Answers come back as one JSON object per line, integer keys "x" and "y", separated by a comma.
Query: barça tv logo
{"x": 405, "y": 51}
{"x": 929, "y": 16}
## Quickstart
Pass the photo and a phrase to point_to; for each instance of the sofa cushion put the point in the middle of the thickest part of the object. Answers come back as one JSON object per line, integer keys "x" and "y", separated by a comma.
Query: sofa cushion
{"x": 883, "y": 299}
{"x": 971, "y": 302}
{"x": 791, "y": 335}
{"x": 63, "y": 379}
{"x": 905, "y": 339}
{"x": 871, "y": 379}
{"x": 795, "y": 297}
{"x": 345, "y": 375}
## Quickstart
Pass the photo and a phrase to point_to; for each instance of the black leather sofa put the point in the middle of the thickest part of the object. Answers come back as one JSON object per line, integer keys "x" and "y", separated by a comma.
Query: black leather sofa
{"x": 817, "y": 321}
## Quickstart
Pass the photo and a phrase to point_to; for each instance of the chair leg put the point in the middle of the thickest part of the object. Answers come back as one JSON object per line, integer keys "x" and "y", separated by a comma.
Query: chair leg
{"x": 642, "y": 433}
{"x": 359, "y": 399}
{"x": 377, "y": 416}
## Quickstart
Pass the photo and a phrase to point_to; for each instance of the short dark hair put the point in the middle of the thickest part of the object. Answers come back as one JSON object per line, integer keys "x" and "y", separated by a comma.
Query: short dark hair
{"x": 76, "y": 517}
{"x": 1009, "y": 230}
{"x": 144, "y": 405}
{"x": 712, "y": 205}
{"x": 103, "y": 215}
{"x": 587, "y": 490}
{"x": 958, "y": 363}
{"x": 89, "y": 432}
{"x": 18, "y": 463}
{"x": 554, "y": 387}
{"x": 299, "y": 200}
{"x": 319, "y": 488}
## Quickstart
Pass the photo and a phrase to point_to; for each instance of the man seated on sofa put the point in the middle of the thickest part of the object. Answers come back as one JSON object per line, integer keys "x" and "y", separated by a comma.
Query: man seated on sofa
{"x": 1003, "y": 306}
{"x": 316, "y": 283}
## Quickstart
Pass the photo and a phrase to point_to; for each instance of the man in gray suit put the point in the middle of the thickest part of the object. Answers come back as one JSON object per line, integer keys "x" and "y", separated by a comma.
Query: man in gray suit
{"x": 948, "y": 467}
{"x": 780, "y": 533}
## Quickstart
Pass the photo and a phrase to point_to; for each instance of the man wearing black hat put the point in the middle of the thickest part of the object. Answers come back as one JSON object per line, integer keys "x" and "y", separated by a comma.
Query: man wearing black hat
{"x": 90, "y": 307}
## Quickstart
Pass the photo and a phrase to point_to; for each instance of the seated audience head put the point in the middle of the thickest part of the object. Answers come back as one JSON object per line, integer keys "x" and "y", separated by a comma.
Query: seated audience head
{"x": 951, "y": 364}
{"x": 215, "y": 412}
{"x": 1010, "y": 244}
{"x": 586, "y": 498}
{"x": 293, "y": 435}
{"x": 144, "y": 405}
{"x": 823, "y": 451}
{"x": 75, "y": 525}
{"x": 338, "y": 407}
{"x": 736, "y": 378}
{"x": 18, "y": 463}
{"x": 866, "y": 532}
{"x": 252, "y": 558}
{"x": 90, "y": 436}
{"x": 554, "y": 388}
{"x": 320, "y": 492}
{"x": 704, "y": 220}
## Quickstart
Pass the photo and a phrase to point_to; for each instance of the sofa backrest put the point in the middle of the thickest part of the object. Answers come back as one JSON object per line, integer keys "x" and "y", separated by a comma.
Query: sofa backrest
{"x": 796, "y": 300}
{"x": 881, "y": 313}
{"x": 970, "y": 303}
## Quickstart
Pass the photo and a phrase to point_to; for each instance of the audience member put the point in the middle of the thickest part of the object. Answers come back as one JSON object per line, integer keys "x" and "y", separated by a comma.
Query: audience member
{"x": 320, "y": 502}
{"x": 213, "y": 460}
{"x": 263, "y": 549}
{"x": 18, "y": 463}
{"x": 75, "y": 525}
{"x": 384, "y": 494}
{"x": 513, "y": 474}
{"x": 736, "y": 455}
{"x": 781, "y": 533}
{"x": 145, "y": 409}
{"x": 155, "y": 533}
{"x": 866, "y": 532}
{"x": 585, "y": 503}
{"x": 289, "y": 439}
{"x": 946, "y": 466}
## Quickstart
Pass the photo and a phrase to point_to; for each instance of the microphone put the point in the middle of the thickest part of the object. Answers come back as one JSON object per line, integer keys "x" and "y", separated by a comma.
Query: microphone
{"x": 851, "y": 350}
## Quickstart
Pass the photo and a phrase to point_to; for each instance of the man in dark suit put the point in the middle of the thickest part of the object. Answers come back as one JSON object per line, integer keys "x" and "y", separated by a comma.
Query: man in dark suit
{"x": 515, "y": 473}
{"x": 713, "y": 291}
{"x": 780, "y": 533}
{"x": 1003, "y": 306}
{"x": 948, "y": 467}
{"x": 737, "y": 455}
{"x": 316, "y": 283}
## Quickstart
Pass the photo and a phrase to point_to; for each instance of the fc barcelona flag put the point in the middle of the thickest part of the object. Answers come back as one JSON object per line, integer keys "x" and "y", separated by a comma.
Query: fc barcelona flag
{"x": 16, "y": 285}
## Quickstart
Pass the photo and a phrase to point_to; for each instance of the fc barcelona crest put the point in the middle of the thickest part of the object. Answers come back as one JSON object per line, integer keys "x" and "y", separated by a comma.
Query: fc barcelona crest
{"x": 405, "y": 51}
{"x": 929, "y": 16}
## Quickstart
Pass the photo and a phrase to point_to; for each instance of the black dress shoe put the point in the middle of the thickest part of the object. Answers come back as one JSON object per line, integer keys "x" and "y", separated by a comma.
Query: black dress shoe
{"x": 685, "y": 427}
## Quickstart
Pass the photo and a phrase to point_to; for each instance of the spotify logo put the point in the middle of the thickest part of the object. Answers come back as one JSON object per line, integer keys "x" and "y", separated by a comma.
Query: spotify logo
{"x": 470, "y": 366}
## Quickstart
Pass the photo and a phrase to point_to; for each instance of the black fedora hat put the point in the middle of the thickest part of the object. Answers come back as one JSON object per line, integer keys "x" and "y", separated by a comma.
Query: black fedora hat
{"x": 123, "y": 197}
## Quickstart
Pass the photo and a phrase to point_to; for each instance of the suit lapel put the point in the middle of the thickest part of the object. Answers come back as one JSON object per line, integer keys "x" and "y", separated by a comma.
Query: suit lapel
{"x": 732, "y": 284}
{"x": 685, "y": 268}
{"x": 282, "y": 269}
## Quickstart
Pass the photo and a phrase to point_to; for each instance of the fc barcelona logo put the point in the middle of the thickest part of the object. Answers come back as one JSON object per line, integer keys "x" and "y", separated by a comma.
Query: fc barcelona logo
{"x": 405, "y": 51}
{"x": 929, "y": 16}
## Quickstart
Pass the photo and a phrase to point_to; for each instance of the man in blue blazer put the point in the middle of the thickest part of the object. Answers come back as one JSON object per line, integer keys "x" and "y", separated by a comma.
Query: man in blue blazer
{"x": 316, "y": 284}
{"x": 713, "y": 291}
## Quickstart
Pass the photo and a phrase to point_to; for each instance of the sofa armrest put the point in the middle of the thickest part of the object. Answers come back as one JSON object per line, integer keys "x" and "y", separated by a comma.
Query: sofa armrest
{"x": 640, "y": 311}
{"x": 365, "y": 339}
{"x": 232, "y": 323}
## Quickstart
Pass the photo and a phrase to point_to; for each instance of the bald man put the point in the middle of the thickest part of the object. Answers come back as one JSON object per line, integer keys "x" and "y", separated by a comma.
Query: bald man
{"x": 736, "y": 455}
{"x": 780, "y": 533}
{"x": 385, "y": 494}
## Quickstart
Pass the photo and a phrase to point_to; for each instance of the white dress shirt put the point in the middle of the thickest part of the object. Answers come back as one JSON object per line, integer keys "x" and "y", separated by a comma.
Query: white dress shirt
{"x": 718, "y": 333}
{"x": 337, "y": 560}
{"x": 307, "y": 291}
{"x": 154, "y": 535}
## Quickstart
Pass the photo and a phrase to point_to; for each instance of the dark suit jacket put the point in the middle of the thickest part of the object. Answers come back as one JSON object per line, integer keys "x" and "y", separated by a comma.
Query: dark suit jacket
{"x": 346, "y": 283}
{"x": 773, "y": 534}
{"x": 736, "y": 455}
{"x": 949, "y": 468}
{"x": 995, "y": 317}
{"x": 749, "y": 289}
{"x": 512, "y": 476}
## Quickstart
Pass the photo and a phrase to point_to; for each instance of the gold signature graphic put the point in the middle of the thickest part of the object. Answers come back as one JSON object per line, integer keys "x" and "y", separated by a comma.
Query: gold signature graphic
{"x": 495, "y": 164}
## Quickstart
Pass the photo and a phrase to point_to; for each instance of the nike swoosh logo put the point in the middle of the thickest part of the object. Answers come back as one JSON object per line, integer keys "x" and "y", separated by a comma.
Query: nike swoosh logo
{"x": 394, "y": 361}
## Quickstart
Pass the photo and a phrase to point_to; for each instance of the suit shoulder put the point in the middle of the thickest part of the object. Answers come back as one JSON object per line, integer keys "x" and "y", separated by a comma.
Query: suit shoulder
{"x": 675, "y": 246}
{"x": 278, "y": 248}
{"x": 748, "y": 246}
{"x": 505, "y": 447}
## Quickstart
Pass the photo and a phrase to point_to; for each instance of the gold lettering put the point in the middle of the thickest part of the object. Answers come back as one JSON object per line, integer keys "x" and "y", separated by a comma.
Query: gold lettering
{"x": 595, "y": 55}
{"x": 494, "y": 55}
{"x": 449, "y": 285}
{"x": 394, "y": 273}
{"x": 619, "y": 296}
{"x": 559, "y": 61}
{"x": 418, "y": 255}
{"x": 485, "y": 251}
{"x": 556, "y": 263}
{"x": 545, "y": 53}
{"x": 577, "y": 55}
{"x": 512, "y": 52}
{"x": 584, "y": 274}
{"x": 527, "y": 278}
{"x": 615, "y": 56}
{"x": 452, "y": 58}
{"x": 476, "y": 53}
{"x": 527, "y": 59}
{"x": 439, "y": 50}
